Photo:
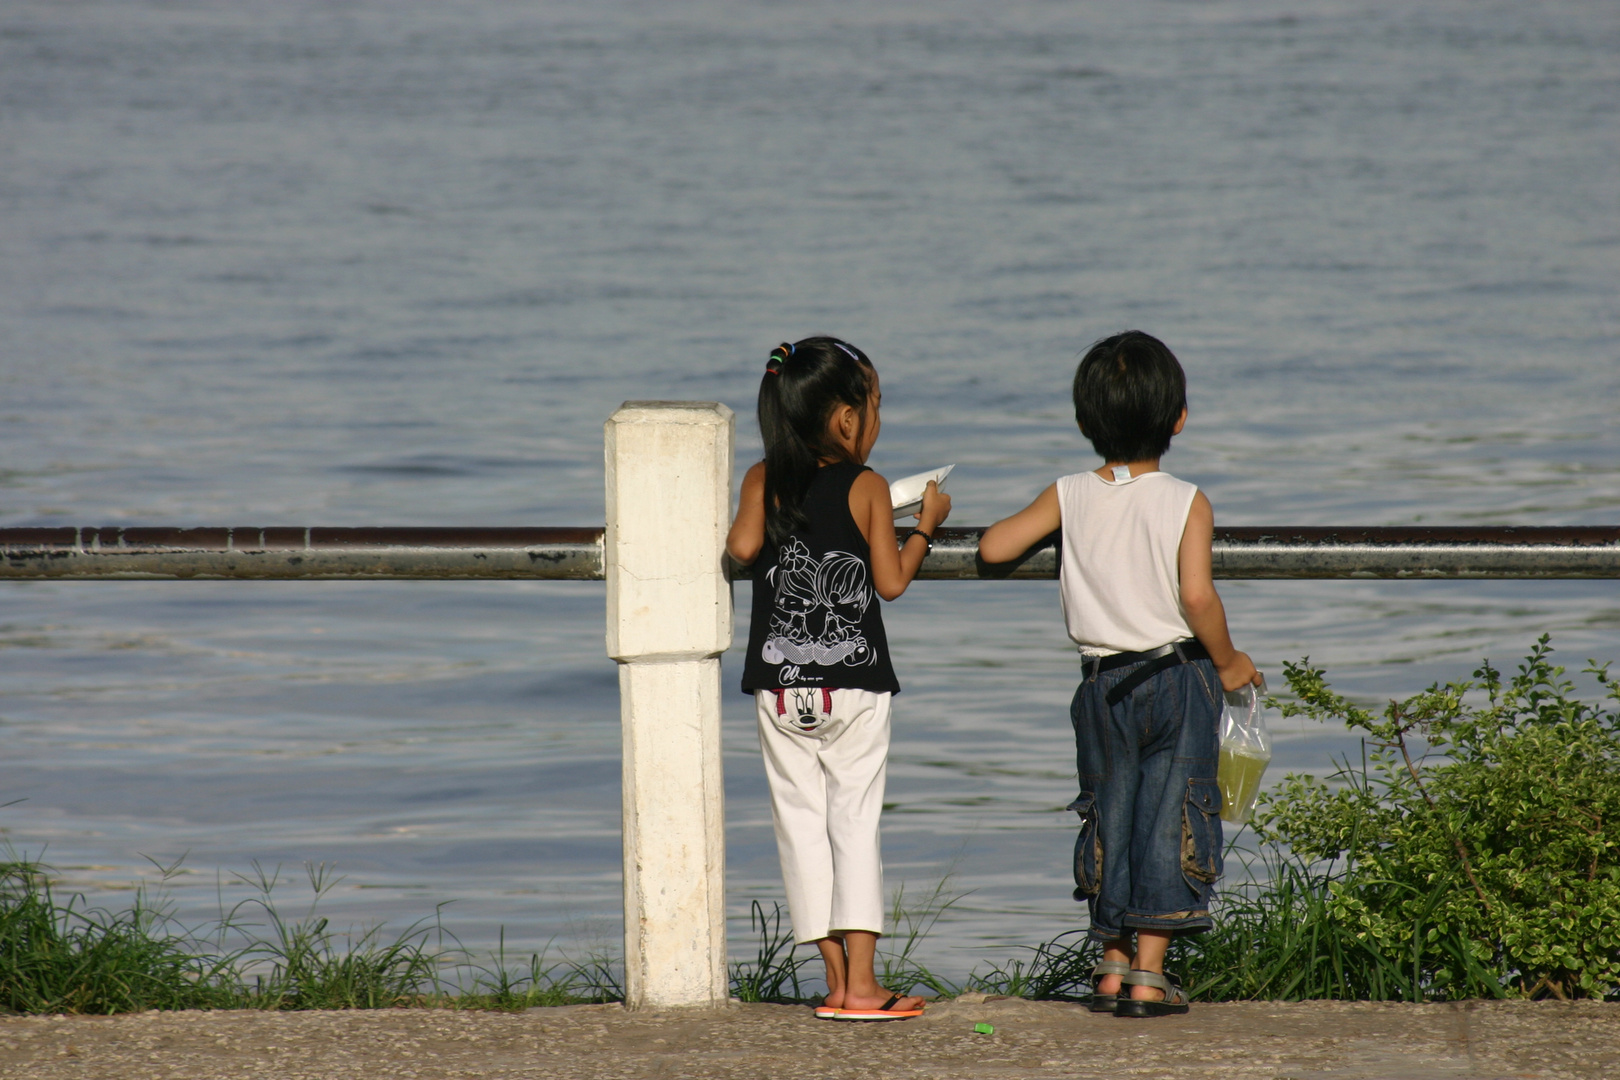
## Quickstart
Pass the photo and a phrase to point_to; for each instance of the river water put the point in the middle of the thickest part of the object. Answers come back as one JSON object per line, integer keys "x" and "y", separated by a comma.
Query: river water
{"x": 394, "y": 262}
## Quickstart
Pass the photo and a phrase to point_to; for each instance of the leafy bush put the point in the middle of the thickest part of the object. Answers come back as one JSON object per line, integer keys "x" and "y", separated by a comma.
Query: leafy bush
{"x": 1479, "y": 838}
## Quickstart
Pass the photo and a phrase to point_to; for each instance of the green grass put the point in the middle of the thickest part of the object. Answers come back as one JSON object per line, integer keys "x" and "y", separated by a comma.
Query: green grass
{"x": 1280, "y": 940}
{"x": 57, "y": 957}
{"x": 61, "y": 956}
{"x": 1275, "y": 939}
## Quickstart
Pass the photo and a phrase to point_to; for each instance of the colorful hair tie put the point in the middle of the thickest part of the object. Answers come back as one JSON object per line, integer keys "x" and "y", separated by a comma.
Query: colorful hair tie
{"x": 779, "y": 355}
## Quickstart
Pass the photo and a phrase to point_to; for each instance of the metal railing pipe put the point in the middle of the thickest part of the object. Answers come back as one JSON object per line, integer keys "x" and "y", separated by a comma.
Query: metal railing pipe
{"x": 297, "y": 552}
{"x": 1288, "y": 551}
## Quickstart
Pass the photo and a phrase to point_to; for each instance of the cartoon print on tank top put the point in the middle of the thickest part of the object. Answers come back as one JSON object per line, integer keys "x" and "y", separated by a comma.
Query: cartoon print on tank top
{"x": 819, "y": 604}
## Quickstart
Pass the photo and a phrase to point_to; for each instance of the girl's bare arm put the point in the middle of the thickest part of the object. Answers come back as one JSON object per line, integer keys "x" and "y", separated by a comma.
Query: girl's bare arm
{"x": 1011, "y": 537}
{"x": 1202, "y": 604}
{"x": 893, "y": 568}
{"x": 747, "y": 533}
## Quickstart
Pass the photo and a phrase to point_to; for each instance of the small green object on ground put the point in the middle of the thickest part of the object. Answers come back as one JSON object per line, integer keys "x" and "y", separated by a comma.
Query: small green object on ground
{"x": 984, "y": 1029}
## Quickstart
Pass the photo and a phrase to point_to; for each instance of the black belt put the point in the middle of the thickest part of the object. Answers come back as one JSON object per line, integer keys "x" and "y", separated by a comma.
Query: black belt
{"x": 1153, "y": 661}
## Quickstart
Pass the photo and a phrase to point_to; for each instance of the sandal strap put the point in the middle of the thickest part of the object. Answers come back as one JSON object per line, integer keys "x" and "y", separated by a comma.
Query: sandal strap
{"x": 1170, "y": 987}
{"x": 1138, "y": 977}
{"x": 1110, "y": 967}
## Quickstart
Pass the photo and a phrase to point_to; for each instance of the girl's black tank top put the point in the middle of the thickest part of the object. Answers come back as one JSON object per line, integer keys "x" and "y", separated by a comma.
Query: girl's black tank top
{"x": 815, "y": 614}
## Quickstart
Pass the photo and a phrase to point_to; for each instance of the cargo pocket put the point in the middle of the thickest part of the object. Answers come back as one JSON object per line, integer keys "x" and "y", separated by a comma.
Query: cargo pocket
{"x": 1088, "y": 852}
{"x": 1201, "y": 832}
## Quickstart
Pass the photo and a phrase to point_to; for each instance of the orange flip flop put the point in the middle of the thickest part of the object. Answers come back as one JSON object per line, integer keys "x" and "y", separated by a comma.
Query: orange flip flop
{"x": 886, "y": 1011}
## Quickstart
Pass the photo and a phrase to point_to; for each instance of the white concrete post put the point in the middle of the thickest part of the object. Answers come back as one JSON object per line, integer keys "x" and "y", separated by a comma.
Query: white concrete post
{"x": 668, "y": 621}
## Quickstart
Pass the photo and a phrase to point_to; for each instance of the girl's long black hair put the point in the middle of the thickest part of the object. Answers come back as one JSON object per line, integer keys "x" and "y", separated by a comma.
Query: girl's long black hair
{"x": 804, "y": 382}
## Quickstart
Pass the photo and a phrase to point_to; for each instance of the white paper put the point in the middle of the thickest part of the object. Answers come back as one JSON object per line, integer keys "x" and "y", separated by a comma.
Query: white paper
{"x": 906, "y": 493}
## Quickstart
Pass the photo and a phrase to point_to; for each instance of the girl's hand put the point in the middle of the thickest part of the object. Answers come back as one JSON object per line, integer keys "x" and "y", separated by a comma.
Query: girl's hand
{"x": 893, "y": 565}
{"x": 936, "y": 508}
{"x": 1239, "y": 672}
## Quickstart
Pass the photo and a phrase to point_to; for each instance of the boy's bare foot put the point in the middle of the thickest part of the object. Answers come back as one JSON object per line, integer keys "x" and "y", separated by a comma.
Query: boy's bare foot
{"x": 1120, "y": 951}
{"x": 1150, "y": 949}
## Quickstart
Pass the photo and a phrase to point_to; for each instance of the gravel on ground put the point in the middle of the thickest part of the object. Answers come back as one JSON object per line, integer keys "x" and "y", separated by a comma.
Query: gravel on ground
{"x": 1244, "y": 1041}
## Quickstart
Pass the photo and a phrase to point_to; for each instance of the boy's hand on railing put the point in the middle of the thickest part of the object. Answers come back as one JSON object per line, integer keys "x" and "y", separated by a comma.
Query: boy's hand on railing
{"x": 936, "y": 508}
{"x": 1239, "y": 672}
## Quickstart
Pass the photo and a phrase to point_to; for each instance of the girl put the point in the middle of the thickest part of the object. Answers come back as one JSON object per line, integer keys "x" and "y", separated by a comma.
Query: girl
{"x": 817, "y": 526}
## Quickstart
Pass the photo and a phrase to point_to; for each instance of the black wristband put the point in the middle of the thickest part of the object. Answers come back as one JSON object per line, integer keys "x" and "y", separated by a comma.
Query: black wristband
{"x": 929, "y": 540}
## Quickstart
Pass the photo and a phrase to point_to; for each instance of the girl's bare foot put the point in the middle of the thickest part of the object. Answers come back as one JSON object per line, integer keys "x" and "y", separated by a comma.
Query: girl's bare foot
{"x": 862, "y": 1001}
{"x": 850, "y": 982}
{"x": 832, "y": 954}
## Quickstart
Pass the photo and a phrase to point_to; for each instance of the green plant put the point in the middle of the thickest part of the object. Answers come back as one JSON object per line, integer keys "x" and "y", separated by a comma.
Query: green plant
{"x": 591, "y": 981}
{"x": 774, "y": 973}
{"x": 64, "y": 957}
{"x": 1278, "y": 937}
{"x": 67, "y": 958}
{"x": 1056, "y": 970}
{"x": 304, "y": 964}
{"x": 897, "y": 965}
{"x": 1478, "y": 841}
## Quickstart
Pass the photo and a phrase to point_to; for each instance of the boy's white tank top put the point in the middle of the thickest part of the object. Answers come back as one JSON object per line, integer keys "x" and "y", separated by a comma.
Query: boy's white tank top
{"x": 1121, "y": 580}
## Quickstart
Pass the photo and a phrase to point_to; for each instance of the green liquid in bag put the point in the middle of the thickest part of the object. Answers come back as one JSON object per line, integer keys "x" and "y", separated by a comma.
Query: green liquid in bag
{"x": 1239, "y": 776}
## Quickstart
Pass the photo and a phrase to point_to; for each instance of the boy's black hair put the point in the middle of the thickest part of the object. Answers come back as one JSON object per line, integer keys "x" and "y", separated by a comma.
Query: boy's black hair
{"x": 803, "y": 383}
{"x": 1128, "y": 394}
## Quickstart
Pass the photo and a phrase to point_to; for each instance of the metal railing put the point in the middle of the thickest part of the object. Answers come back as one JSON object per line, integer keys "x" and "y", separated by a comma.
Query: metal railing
{"x": 138, "y": 553}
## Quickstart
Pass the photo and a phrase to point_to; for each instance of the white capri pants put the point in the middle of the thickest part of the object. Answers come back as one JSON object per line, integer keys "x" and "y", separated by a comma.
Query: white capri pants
{"x": 827, "y": 767}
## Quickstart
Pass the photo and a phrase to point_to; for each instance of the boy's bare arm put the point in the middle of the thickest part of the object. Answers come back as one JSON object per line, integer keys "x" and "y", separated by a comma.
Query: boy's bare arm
{"x": 1202, "y": 604}
{"x": 893, "y": 567}
{"x": 1011, "y": 537}
{"x": 747, "y": 533}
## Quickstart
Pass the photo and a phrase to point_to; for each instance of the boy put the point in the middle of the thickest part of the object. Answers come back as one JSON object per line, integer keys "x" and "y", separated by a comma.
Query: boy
{"x": 1139, "y": 600}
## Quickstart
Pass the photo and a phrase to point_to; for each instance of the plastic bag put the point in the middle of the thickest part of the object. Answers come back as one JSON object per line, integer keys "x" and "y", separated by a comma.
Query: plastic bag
{"x": 1245, "y": 753}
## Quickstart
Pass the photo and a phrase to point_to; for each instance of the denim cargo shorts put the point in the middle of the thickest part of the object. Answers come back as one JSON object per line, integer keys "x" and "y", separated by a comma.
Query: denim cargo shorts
{"x": 1149, "y": 849}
